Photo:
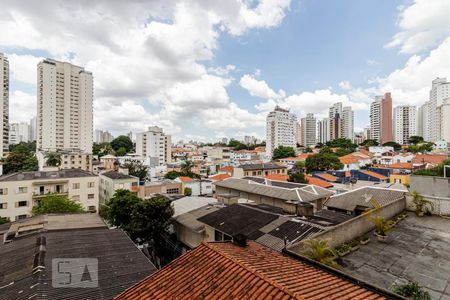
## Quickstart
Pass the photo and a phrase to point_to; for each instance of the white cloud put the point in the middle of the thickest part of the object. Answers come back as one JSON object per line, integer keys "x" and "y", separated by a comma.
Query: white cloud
{"x": 345, "y": 85}
{"x": 22, "y": 107}
{"x": 140, "y": 52}
{"x": 259, "y": 88}
{"x": 423, "y": 24}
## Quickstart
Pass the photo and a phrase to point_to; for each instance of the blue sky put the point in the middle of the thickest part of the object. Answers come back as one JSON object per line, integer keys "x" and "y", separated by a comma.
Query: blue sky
{"x": 165, "y": 62}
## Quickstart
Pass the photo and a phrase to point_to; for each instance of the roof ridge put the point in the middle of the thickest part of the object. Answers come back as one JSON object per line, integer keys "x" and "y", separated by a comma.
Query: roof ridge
{"x": 252, "y": 270}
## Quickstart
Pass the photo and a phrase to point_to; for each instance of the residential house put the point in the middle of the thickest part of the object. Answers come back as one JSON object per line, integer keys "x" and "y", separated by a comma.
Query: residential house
{"x": 242, "y": 269}
{"x": 199, "y": 187}
{"x": 428, "y": 161}
{"x": 163, "y": 187}
{"x": 356, "y": 160}
{"x": 291, "y": 197}
{"x": 111, "y": 181}
{"x": 293, "y": 160}
{"x": 70, "y": 159}
{"x": 259, "y": 170}
{"x": 101, "y": 262}
{"x": 20, "y": 192}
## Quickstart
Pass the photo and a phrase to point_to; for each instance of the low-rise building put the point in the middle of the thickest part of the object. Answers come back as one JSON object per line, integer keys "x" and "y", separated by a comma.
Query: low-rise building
{"x": 259, "y": 170}
{"x": 111, "y": 181}
{"x": 70, "y": 159}
{"x": 199, "y": 187}
{"x": 163, "y": 187}
{"x": 20, "y": 192}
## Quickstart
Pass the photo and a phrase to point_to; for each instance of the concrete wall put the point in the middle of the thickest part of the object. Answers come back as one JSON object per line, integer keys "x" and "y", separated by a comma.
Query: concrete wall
{"x": 355, "y": 227}
{"x": 434, "y": 189}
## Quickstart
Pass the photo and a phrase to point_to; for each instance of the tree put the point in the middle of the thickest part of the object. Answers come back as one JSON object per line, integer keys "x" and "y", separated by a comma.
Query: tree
{"x": 137, "y": 169}
{"x": 369, "y": 143}
{"x": 307, "y": 150}
{"x": 297, "y": 177}
{"x": 29, "y": 147}
{"x": 121, "y": 151}
{"x": 122, "y": 141}
{"x": 20, "y": 162}
{"x": 394, "y": 145}
{"x": 411, "y": 290}
{"x": 186, "y": 166}
{"x": 318, "y": 250}
{"x": 237, "y": 145}
{"x": 150, "y": 219}
{"x": 172, "y": 175}
{"x": 53, "y": 159}
{"x": 120, "y": 207}
{"x": 343, "y": 151}
{"x": 415, "y": 139}
{"x": 325, "y": 149}
{"x": 102, "y": 149}
{"x": 323, "y": 162}
{"x": 382, "y": 225}
{"x": 4, "y": 220}
{"x": 424, "y": 147}
{"x": 56, "y": 204}
{"x": 282, "y": 152}
{"x": 187, "y": 191}
{"x": 341, "y": 143}
{"x": 420, "y": 203}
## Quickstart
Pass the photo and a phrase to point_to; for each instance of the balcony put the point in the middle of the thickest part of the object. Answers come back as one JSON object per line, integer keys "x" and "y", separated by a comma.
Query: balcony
{"x": 39, "y": 194}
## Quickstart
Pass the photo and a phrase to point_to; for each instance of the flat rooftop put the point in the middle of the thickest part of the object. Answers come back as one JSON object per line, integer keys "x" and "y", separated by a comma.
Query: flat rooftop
{"x": 418, "y": 249}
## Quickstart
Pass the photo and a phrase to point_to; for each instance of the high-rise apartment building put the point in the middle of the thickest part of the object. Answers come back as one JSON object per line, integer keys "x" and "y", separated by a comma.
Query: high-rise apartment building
{"x": 4, "y": 104}
{"x": 19, "y": 132}
{"x": 335, "y": 116}
{"x": 348, "y": 123}
{"x": 308, "y": 130}
{"x": 381, "y": 119}
{"x": 366, "y": 133}
{"x": 65, "y": 104}
{"x": 298, "y": 133}
{"x": 155, "y": 145}
{"x": 323, "y": 130}
{"x": 405, "y": 123}
{"x": 281, "y": 128}
{"x": 101, "y": 136}
{"x": 33, "y": 129}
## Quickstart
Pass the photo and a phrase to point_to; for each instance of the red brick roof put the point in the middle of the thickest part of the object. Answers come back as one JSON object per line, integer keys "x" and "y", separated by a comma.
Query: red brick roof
{"x": 430, "y": 158}
{"x": 407, "y": 166}
{"x": 318, "y": 182}
{"x": 185, "y": 179}
{"x": 374, "y": 174}
{"x": 219, "y": 177}
{"x": 226, "y": 271}
{"x": 227, "y": 169}
{"x": 327, "y": 176}
{"x": 279, "y": 177}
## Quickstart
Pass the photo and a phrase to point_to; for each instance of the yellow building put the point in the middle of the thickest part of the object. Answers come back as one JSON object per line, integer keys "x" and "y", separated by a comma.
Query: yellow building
{"x": 400, "y": 178}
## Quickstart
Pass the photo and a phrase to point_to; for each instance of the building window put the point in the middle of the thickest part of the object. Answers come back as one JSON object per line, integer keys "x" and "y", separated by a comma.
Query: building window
{"x": 90, "y": 196}
{"x": 4, "y": 191}
{"x": 76, "y": 197}
{"x": 21, "y": 190}
{"x": 21, "y": 217}
{"x": 3, "y": 205}
{"x": 173, "y": 191}
{"x": 22, "y": 203}
{"x": 76, "y": 186}
{"x": 91, "y": 184}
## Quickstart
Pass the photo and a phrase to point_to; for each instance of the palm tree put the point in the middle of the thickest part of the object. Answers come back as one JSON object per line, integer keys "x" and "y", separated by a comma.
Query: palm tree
{"x": 382, "y": 227}
{"x": 420, "y": 203}
{"x": 186, "y": 166}
{"x": 53, "y": 159}
{"x": 318, "y": 250}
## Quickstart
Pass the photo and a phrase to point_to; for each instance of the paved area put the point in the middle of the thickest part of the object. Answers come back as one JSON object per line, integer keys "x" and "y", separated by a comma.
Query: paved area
{"x": 418, "y": 249}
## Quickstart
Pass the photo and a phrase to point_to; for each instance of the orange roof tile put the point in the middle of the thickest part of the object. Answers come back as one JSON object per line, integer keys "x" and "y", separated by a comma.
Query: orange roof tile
{"x": 375, "y": 174}
{"x": 226, "y": 271}
{"x": 430, "y": 158}
{"x": 408, "y": 166}
{"x": 226, "y": 169}
{"x": 279, "y": 177}
{"x": 318, "y": 182}
{"x": 219, "y": 177}
{"x": 327, "y": 176}
{"x": 185, "y": 179}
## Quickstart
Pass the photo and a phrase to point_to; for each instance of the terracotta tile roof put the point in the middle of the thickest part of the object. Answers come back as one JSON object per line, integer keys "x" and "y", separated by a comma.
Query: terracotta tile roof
{"x": 408, "y": 166}
{"x": 219, "y": 177}
{"x": 318, "y": 182}
{"x": 226, "y": 169}
{"x": 279, "y": 177}
{"x": 185, "y": 179}
{"x": 226, "y": 271}
{"x": 374, "y": 174}
{"x": 327, "y": 176}
{"x": 430, "y": 158}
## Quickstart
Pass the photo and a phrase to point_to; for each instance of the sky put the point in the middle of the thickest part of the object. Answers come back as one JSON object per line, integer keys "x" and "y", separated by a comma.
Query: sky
{"x": 207, "y": 69}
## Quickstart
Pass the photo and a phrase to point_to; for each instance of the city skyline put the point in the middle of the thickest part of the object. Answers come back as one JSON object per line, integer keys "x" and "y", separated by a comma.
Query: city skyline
{"x": 212, "y": 82}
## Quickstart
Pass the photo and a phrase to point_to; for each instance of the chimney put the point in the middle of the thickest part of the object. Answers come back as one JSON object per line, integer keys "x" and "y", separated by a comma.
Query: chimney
{"x": 305, "y": 209}
{"x": 240, "y": 240}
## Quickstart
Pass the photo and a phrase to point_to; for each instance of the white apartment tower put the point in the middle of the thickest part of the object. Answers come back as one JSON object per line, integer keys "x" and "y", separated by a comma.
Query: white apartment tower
{"x": 308, "y": 127}
{"x": 347, "y": 123}
{"x": 154, "y": 144}
{"x": 19, "y": 132}
{"x": 375, "y": 119}
{"x": 405, "y": 123}
{"x": 281, "y": 127}
{"x": 4, "y": 104}
{"x": 323, "y": 130}
{"x": 65, "y": 104}
{"x": 33, "y": 131}
{"x": 440, "y": 102}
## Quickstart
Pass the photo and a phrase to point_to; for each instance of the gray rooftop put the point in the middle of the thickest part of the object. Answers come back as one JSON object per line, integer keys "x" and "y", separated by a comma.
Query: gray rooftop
{"x": 306, "y": 193}
{"x": 118, "y": 175}
{"x": 186, "y": 204}
{"x": 42, "y": 175}
{"x": 362, "y": 196}
{"x": 264, "y": 166}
